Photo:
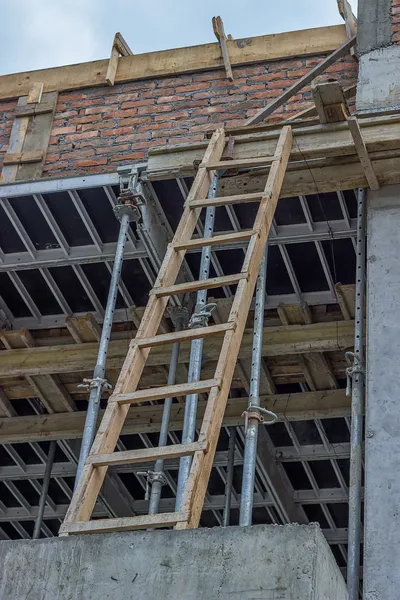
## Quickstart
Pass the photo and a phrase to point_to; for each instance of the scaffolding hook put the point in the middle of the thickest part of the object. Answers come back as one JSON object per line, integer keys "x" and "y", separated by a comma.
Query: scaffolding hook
{"x": 96, "y": 382}
{"x": 355, "y": 368}
{"x": 200, "y": 318}
{"x": 253, "y": 412}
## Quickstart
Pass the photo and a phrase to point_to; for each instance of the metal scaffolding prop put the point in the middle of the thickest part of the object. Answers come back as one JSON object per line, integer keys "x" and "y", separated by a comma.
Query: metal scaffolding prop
{"x": 253, "y": 414}
{"x": 200, "y": 318}
{"x": 356, "y": 386}
{"x": 44, "y": 491}
{"x": 125, "y": 212}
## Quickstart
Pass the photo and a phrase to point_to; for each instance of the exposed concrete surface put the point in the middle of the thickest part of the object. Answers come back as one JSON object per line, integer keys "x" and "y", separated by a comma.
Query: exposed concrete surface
{"x": 382, "y": 445}
{"x": 374, "y": 24}
{"x": 266, "y": 562}
{"x": 379, "y": 79}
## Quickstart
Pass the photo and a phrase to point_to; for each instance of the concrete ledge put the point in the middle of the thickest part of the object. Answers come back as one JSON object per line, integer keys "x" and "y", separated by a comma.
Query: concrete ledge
{"x": 379, "y": 80}
{"x": 266, "y": 562}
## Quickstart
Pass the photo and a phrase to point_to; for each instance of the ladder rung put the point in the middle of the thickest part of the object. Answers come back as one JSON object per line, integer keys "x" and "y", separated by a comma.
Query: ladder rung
{"x": 225, "y": 238}
{"x": 226, "y": 200}
{"x": 183, "y": 336}
{"x": 131, "y": 457}
{"x": 125, "y": 523}
{"x": 194, "y": 286}
{"x": 240, "y": 163}
{"x": 167, "y": 391}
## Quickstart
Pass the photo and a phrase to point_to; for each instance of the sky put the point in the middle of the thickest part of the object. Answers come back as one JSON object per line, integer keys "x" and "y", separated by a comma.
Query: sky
{"x": 37, "y": 34}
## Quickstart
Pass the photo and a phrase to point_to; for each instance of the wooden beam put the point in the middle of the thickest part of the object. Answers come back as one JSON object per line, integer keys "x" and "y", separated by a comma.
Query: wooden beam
{"x": 329, "y": 99}
{"x": 180, "y": 60}
{"x": 219, "y": 32}
{"x": 119, "y": 47}
{"x": 336, "y": 164}
{"x": 74, "y": 358}
{"x": 350, "y": 20}
{"x": 35, "y": 93}
{"x": 298, "y": 85}
{"x": 20, "y": 158}
{"x": 147, "y": 419}
{"x": 359, "y": 143}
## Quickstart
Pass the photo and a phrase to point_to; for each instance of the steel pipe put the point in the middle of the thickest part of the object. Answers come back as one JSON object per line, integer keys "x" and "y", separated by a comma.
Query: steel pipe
{"x": 98, "y": 381}
{"x": 253, "y": 420}
{"x": 45, "y": 489}
{"x": 357, "y": 404}
{"x": 196, "y": 349}
{"x": 158, "y": 482}
{"x": 229, "y": 476}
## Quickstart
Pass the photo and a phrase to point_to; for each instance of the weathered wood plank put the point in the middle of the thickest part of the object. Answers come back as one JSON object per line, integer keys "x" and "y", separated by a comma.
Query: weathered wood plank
{"x": 180, "y": 60}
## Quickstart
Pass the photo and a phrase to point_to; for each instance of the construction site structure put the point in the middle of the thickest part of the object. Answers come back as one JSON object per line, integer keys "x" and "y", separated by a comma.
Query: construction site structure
{"x": 198, "y": 310}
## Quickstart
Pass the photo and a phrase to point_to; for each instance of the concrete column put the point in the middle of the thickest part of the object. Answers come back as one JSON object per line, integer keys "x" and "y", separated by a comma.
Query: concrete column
{"x": 379, "y": 53}
{"x": 382, "y": 444}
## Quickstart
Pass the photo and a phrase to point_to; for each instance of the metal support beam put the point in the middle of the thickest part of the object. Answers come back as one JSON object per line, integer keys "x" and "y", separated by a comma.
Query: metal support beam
{"x": 44, "y": 492}
{"x": 97, "y": 384}
{"x": 356, "y": 372}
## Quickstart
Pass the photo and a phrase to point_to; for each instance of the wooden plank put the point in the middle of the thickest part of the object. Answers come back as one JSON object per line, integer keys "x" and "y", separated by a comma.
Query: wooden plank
{"x": 124, "y": 524}
{"x": 224, "y": 201}
{"x": 298, "y": 85}
{"x": 347, "y": 15}
{"x": 183, "y": 335}
{"x": 196, "y": 487}
{"x": 131, "y": 457}
{"x": 362, "y": 152}
{"x": 180, "y": 60}
{"x": 244, "y": 163}
{"x": 20, "y": 158}
{"x": 147, "y": 419}
{"x": 35, "y": 93}
{"x": 329, "y": 99}
{"x": 30, "y": 110}
{"x": 168, "y": 391}
{"x": 219, "y": 32}
{"x": 6, "y": 407}
{"x": 28, "y": 136}
{"x": 122, "y": 45}
{"x": 193, "y": 286}
{"x": 78, "y": 358}
{"x": 349, "y": 92}
{"x": 84, "y": 328}
{"x": 112, "y": 66}
{"x": 216, "y": 240}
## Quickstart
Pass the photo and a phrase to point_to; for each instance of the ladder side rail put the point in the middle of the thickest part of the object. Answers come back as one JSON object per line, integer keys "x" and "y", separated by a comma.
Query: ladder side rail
{"x": 196, "y": 488}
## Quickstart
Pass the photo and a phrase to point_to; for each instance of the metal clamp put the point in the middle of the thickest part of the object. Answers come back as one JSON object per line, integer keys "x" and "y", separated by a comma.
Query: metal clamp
{"x": 130, "y": 194}
{"x": 152, "y": 477}
{"x": 89, "y": 384}
{"x": 355, "y": 368}
{"x": 200, "y": 318}
{"x": 253, "y": 412}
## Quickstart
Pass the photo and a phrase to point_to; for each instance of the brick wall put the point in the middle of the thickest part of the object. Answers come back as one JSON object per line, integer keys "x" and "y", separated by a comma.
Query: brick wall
{"x": 99, "y": 129}
{"x": 395, "y": 21}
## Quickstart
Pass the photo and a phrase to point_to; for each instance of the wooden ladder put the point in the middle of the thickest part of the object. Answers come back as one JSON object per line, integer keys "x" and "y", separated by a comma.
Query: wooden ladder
{"x": 102, "y": 455}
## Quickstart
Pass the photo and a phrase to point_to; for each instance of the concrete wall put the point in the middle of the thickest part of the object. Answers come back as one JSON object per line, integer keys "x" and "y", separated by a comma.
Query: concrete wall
{"x": 382, "y": 444}
{"x": 260, "y": 563}
{"x": 378, "y": 43}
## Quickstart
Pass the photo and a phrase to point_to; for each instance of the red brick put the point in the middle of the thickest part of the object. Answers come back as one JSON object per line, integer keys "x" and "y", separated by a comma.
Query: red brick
{"x": 144, "y": 110}
{"x": 67, "y": 114}
{"x": 173, "y": 81}
{"x": 81, "y": 136}
{"x": 94, "y": 110}
{"x": 158, "y": 92}
{"x": 228, "y": 99}
{"x": 165, "y": 99}
{"x": 116, "y": 131}
{"x": 192, "y": 88}
{"x": 118, "y": 148}
{"x": 132, "y": 156}
{"x": 396, "y": 37}
{"x": 52, "y": 157}
{"x": 77, "y": 154}
{"x": 214, "y": 75}
{"x": 134, "y": 121}
{"x": 86, "y": 103}
{"x": 92, "y": 162}
{"x": 137, "y": 103}
{"x": 63, "y": 130}
{"x": 62, "y": 164}
{"x": 246, "y": 71}
{"x": 175, "y": 116}
{"x": 169, "y": 133}
{"x": 95, "y": 126}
